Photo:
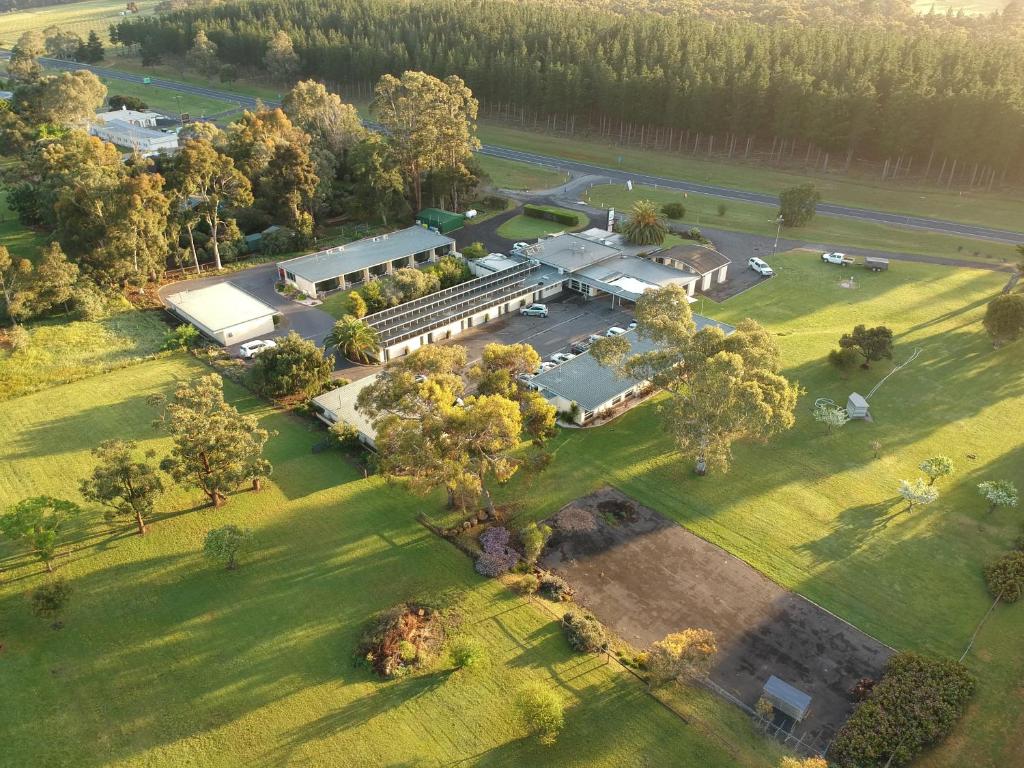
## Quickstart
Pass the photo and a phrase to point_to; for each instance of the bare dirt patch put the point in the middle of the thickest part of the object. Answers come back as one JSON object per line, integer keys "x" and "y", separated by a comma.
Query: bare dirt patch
{"x": 645, "y": 576}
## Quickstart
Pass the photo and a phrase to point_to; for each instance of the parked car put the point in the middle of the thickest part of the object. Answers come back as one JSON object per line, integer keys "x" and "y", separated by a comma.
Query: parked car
{"x": 579, "y": 347}
{"x": 632, "y": 325}
{"x": 836, "y": 258}
{"x": 250, "y": 349}
{"x": 760, "y": 266}
{"x": 615, "y": 331}
{"x": 562, "y": 357}
{"x": 546, "y": 366}
{"x": 535, "y": 310}
{"x": 519, "y": 246}
{"x": 592, "y": 338}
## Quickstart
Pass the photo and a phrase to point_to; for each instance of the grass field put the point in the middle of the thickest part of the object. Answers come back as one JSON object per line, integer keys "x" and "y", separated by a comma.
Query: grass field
{"x": 21, "y": 241}
{"x": 993, "y": 209}
{"x": 524, "y": 227}
{"x": 508, "y": 174}
{"x": 831, "y": 231}
{"x": 168, "y": 102}
{"x": 62, "y": 351}
{"x": 166, "y": 660}
{"x": 968, "y": 6}
{"x": 79, "y": 17}
{"x": 815, "y": 512}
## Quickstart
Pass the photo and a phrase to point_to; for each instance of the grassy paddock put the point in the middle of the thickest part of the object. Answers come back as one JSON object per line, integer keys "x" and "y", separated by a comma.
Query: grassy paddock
{"x": 702, "y": 211}
{"x": 21, "y": 241}
{"x": 521, "y": 177}
{"x": 61, "y": 351}
{"x": 1000, "y": 209}
{"x": 167, "y": 660}
{"x": 166, "y": 101}
{"x": 523, "y": 227}
{"x": 818, "y": 514}
{"x": 78, "y": 17}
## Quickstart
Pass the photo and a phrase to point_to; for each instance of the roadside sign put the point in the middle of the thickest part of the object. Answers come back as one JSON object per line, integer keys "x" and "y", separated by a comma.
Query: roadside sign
{"x": 186, "y": 118}
{"x": 629, "y": 184}
{"x": 611, "y": 219}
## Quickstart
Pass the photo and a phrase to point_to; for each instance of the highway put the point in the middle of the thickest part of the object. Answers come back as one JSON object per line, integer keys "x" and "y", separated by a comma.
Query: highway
{"x": 613, "y": 175}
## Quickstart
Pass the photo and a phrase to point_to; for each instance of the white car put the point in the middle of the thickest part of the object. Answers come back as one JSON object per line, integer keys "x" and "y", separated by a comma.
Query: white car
{"x": 760, "y": 266}
{"x": 519, "y": 246}
{"x": 535, "y": 310}
{"x": 250, "y": 349}
{"x": 834, "y": 258}
{"x": 562, "y": 357}
{"x": 615, "y": 331}
{"x": 546, "y": 366}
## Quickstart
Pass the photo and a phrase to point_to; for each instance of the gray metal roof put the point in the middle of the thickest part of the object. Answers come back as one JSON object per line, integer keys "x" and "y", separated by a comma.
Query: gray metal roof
{"x": 340, "y": 403}
{"x": 700, "y": 258}
{"x": 571, "y": 252}
{"x": 365, "y": 253}
{"x": 585, "y": 381}
{"x": 620, "y": 276}
{"x": 784, "y": 697}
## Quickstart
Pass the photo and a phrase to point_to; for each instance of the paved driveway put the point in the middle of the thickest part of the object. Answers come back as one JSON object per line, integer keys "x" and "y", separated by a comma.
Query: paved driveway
{"x": 309, "y": 322}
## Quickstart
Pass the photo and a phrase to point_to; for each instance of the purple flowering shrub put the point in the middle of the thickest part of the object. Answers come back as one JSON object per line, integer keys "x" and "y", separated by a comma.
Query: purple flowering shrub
{"x": 495, "y": 539}
{"x": 498, "y": 556}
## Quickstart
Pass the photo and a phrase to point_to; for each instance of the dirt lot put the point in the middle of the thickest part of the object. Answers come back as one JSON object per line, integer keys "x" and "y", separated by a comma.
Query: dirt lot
{"x": 645, "y": 576}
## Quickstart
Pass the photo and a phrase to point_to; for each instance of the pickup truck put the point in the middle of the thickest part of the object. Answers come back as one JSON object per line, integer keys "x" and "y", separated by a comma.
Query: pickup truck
{"x": 837, "y": 258}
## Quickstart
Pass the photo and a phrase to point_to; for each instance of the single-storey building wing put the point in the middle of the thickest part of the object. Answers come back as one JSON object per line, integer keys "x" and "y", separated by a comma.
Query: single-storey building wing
{"x": 339, "y": 405}
{"x": 130, "y": 117}
{"x": 701, "y": 260}
{"x": 596, "y": 389}
{"x": 347, "y": 265}
{"x": 223, "y": 312}
{"x": 133, "y": 137}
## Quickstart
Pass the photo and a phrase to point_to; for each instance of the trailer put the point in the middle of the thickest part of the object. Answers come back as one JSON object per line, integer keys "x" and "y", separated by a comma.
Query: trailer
{"x": 876, "y": 264}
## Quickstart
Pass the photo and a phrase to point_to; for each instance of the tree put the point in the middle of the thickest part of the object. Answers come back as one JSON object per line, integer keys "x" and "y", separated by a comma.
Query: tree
{"x": 215, "y": 447}
{"x": 69, "y": 99}
{"x": 50, "y": 599}
{"x": 287, "y": 187}
{"x": 533, "y": 538}
{"x": 1004, "y": 318}
{"x": 203, "y": 55}
{"x": 36, "y": 524}
{"x": 998, "y": 493}
{"x": 280, "y": 59}
{"x": 14, "y": 274}
{"x": 60, "y": 44}
{"x": 682, "y": 654}
{"x": 797, "y": 205}
{"x": 645, "y": 225}
{"x": 1005, "y": 577}
{"x": 496, "y": 374}
{"x": 354, "y": 339}
{"x": 870, "y": 343}
{"x": 122, "y": 483}
{"x": 22, "y": 66}
{"x": 226, "y": 544}
{"x": 330, "y": 122}
{"x": 412, "y": 283}
{"x": 428, "y": 123}
{"x": 936, "y": 467}
{"x": 54, "y": 280}
{"x": 136, "y": 240}
{"x": 831, "y": 416}
{"x": 295, "y": 366}
{"x": 917, "y": 492}
{"x": 92, "y": 51}
{"x": 450, "y": 271}
{"x": 210, "y": 178}
{"x": 474, "y": 250}
{"x": 378, "y": 190}
{"x": 541, "y": 712}
{"x": 722, "y": 389}
{"x": 357, "y": 305}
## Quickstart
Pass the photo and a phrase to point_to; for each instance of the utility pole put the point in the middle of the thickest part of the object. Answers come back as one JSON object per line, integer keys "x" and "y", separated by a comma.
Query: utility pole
{"x": 778, "y": 232}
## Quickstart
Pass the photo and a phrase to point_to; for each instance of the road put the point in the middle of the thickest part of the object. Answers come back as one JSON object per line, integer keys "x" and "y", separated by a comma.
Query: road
{"x": 611, "y": 174}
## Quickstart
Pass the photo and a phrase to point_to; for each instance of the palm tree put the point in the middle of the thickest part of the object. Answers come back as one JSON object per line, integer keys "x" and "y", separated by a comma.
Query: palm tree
{"x": 645, "y": 225}
{"x": 354, "y": 339}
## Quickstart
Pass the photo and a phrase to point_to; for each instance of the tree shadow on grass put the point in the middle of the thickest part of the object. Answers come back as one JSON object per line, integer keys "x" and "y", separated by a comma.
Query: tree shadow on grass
{"x": 853, "y": 528}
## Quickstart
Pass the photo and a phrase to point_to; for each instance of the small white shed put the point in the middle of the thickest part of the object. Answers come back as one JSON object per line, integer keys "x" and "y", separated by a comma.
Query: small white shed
{"x": 857, "y": 406}
{"x": 223, "y": 312}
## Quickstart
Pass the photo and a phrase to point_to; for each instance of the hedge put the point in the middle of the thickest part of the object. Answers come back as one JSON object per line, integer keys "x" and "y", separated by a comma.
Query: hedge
{"x": 915, "y": 704}
{"x": 561, "y": 217}
{"x": 1005, "y": 577}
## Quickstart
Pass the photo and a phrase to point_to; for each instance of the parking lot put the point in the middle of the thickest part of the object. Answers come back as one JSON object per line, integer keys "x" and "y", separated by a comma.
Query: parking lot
{"x": 570, "y": 318}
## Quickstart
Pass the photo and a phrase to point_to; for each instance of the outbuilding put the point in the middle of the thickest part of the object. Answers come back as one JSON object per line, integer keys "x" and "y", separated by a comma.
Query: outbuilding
{"x": 701, "y": 260}
{"x": 339, "y": 406}
{"x": 439, "y": 220}
{"x": 223, "y": 312}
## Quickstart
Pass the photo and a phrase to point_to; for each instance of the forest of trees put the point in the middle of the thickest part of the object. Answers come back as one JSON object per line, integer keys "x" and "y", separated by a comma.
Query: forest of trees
{"x": 917, "y": 93}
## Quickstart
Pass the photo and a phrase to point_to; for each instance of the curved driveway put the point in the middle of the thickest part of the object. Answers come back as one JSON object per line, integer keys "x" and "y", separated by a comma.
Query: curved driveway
{"x": 613, "y": 175}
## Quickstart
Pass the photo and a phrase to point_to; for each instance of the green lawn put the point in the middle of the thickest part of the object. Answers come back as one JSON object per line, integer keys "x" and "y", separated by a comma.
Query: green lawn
{"x": 62, "y": 351}
{"x": 166, "y": 660}
{"x": 21, "y": 241}
{"x": 1000, "y": 209}
{"x": 508, "y": 174}
{"x": 813, "y": 511}
{"x": 166, "y": 101}
{"x": 524, "y": 227}
{"x": 78, "y": 17}
{"x": 702, "y": 211}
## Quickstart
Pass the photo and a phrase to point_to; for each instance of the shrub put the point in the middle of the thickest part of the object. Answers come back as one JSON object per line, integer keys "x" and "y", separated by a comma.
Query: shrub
{"x": 90, "y": 302}
{"x": 1005, "y": 577}
{"x": 533, "y": 538}
{"x": 915, "y": 704}
{"x": 797, "y": 205}
{"x": 527, "y": 584}
{"x": 467, "y": 652}
{"x": 1004, "y": 318}
{"x": 555, "y": 588}
{"x": 722, "y": 208}
{"x": 281, "y": 240}
{"x": 494, "y": 564}
{"x": 541, "y": 712}
{"x": 402, "y": 638}
{"x": 474, "y": 251}
{"x": 844, "y": 358}
{"x": 695, "y": 234}
{"x": 182, "y": 338}
{"x": 549, "y": 214}
{"x": 584, "y": 633}
{"x": 680, "y": 654}
{"x": 226, "y": 544}
{"x": 357, "y": 304}
{"x": 344, "y": 435}
{"x": 674, "y": 210}
{"x": 494, "y": 203}
{"x": 495, "y": 539}
{"x": 295, "y": 366}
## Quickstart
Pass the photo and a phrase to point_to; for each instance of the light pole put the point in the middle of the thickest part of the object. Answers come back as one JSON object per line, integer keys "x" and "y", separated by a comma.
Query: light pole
{"x": 778, "y": 232}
